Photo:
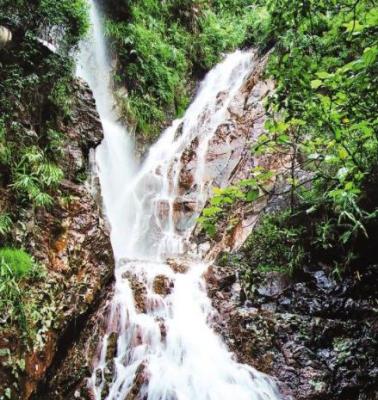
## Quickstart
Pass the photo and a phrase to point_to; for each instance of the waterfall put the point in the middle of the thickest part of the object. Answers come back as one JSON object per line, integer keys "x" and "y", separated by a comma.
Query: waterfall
{"x": 166, "y": 348}
{"x": 114, "y": 157}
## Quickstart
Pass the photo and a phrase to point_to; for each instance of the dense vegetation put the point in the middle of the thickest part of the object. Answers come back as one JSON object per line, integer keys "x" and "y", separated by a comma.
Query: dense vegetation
{"x": 323, "y": 117}
{"x": 162, "y": 47}
{"x": 34, "y": 85}
{"x": 35, "y": 90}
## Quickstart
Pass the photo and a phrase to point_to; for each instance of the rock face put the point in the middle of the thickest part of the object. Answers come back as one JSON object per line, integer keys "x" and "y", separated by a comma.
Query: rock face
{"x": 228, "y": 159}
{"x": 315, "y": 334}
{"x": 67, "y": 377}
{"x": 71, "y": 240}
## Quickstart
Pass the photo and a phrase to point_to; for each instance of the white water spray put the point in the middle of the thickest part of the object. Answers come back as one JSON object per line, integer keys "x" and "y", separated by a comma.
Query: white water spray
{"x": 116, "y": 165}
{"x": 166, "y": 349}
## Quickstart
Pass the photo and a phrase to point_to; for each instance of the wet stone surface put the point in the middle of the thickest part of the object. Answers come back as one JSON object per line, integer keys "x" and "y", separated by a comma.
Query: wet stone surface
{"x": 162, "y": 285}
{"x": 318, "y": 336}
{"x": 228, "y": 159}
{"x": 71, "y": 240}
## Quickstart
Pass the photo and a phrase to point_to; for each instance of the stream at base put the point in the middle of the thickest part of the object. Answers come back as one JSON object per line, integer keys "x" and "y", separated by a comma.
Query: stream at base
{"x": 166, "y": 347}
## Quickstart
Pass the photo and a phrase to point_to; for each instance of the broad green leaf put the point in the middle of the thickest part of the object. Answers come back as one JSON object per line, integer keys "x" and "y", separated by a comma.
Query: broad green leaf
{"x": 370, "y": 55}
{"x": 211, "y": 211}
{"x": 372, "y": 17}
{"x": 343, "y": 154}
{"x": 354, "y": 26}
{"x": 248, "y": 182}
{"x": 326, "y": 101}
{"x": 281, "y": 127}
{"x": 283, "y": 139}
{"x": 323, "y": 75}
{"x": 316, "y": 83}
{"x": 252, "y": 195}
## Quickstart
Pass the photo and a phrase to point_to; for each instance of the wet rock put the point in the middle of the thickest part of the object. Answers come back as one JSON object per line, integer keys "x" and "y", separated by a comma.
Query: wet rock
{"x": 274, "y": 285}
{"x": 188, "y": 162}
{"x": 139, "y": 290}
{"x": 111, "y": 350}
{"x": 72, "y": 241}
{"x": 184, "y": 208}
{"x": 163, "y": 330}
{"x": 141, "y": 378}
{"x": 186, "y": 179}
{"x": 178, "y": 132}
{"x": 316, "y": 335}
{"x": 162, "y": 285}
{"x": 185, "y": 205}
{"x": 163, "y": 209}
{"x": 178, "y": 265}
{"x": 69, "y": 373}
{"x": 220, "y": 278}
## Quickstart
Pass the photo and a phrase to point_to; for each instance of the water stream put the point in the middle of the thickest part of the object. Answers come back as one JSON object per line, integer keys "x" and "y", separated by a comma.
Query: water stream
{"x": 166, "y": 348}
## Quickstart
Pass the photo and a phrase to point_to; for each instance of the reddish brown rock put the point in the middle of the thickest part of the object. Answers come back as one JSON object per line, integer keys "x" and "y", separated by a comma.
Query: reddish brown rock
{"x": 162, "y": 285}
{"x": 177, "y": 265}
{"x": 71, "y": 240}
{"x": 228, "y": 159}
{"x": 139, "y": 290}
{"x": 140, "y": 379}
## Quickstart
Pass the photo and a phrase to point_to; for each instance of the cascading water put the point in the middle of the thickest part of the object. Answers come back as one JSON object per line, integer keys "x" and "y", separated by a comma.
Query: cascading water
{"x": 166, "y": 349}
{"x": 115, "y": 155}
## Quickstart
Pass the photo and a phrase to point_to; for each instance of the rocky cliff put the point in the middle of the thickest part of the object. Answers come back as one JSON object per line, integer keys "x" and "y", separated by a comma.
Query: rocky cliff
{"x": 312, "y": 331}
{"x": 71, "y": 240}
{"x": 228, "y": 159}
{"x": 316, "y": 333}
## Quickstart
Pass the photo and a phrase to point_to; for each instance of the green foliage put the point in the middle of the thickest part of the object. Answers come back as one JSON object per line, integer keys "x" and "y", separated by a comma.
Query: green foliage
{"x": 35, "y": 102}
{"x": 5, "y": 224}
{"x": 65, "y": 20}
{"x": 34, "y": 175}
{"x": 326, "y": 111}
{"x": 11, "y": 305}
{"x": 156, "y": 74}
{"x": 325, "y": 65}
{"x": 35, "y": 94}
{"x": 26, "y": 300}
{"x": 221, "y": 32}
{"x": 16, "y": 265}
{"x": 61, "y": 96}
{"x": 276, "y": 245}
{"x": 35, "y": 98}
{"x": 4, "y": 150}
{"x": 15, "y": 262}
{"x": 220, "y": 203}
{"x": 161, "y": 45}
{"x": 224, "y": 199}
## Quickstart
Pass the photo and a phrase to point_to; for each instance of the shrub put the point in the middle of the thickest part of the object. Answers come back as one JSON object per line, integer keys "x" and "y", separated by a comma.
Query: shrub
{"x": 324, "y": 64}
{"x": 16, "y": 262}
{"x": 276, "y": 245}
{"x": 36, "y": 95}
{"x": 5, "y": 224}
{"x": 161, "y": 47}
{"x": 11, "y": 304}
